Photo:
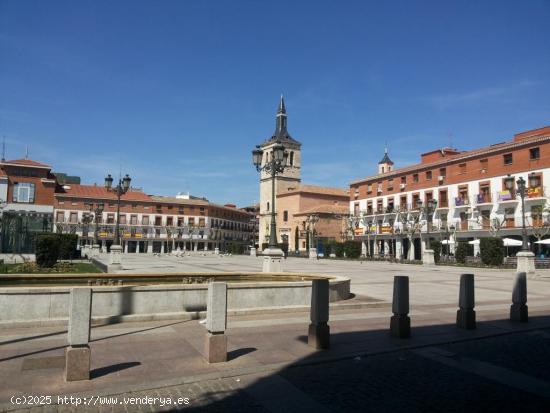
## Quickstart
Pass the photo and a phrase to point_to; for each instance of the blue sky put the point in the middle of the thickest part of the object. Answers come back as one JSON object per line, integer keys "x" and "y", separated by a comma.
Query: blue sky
{"x": 177, "y": 93}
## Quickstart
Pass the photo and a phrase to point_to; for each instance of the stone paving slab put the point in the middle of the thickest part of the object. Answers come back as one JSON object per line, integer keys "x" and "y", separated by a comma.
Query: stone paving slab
{"x": 165, "y": 357}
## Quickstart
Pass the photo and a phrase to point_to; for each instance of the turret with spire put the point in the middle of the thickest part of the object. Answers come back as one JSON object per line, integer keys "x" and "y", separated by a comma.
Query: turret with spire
{"x": 281, "y": 132}
{"x": 386, "y": 164}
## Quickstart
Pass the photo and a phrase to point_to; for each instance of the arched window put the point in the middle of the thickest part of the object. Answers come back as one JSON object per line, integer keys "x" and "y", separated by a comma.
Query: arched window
{"x": 291, "y": 158}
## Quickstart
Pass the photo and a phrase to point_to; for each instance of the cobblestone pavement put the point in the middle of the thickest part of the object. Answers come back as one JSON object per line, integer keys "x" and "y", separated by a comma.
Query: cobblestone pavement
{"x": 509, "y": 373}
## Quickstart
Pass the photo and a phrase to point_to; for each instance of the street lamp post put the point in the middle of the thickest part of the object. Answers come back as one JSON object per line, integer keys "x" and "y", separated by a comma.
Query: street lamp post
{"x": 525, "y": 258}
{"x": 97, "y": 210}
{"x": 521, "y": 191}
{"x": 449, "y": 229}
{"x": 120, "y": 189}
{"x": 275, "y": 165}
{"x": 311, "y": 221}
{"x": 429, "y": 209}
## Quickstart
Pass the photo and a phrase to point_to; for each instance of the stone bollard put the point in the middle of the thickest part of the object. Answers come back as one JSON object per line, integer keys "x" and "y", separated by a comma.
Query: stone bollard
{"x": 518, "y": 309}
{"x": 400, "y": 323}
{"x": 252, "y": 251}
{"x": 95, "y": 251}
{"x": 77, "y": 355}
{"x": 216, "y": 322}
{"x": 319, "y": 331}
{"x": 466, "y": 316}
{"x": 115, "y": 257}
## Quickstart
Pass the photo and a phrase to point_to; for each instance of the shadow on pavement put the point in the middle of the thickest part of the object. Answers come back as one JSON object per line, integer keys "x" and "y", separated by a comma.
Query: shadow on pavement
{"x": 232, "y": 355}
{"x": 369, "y": 371}
{"x": 103, "y": 371}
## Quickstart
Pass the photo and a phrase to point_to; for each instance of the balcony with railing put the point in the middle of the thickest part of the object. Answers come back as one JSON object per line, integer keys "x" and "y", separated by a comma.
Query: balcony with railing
{"x": 443, "y": 203}
{"x": 462, "y": 202}
{"x": 483, "y": 198}
{"x": 535, "y": 193}
{"x": 507, "y": 195}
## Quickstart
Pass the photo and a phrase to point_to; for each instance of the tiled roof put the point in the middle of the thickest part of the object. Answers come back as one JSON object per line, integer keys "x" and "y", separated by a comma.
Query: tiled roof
{"x": 174, "y": 200}
{"x": 27, "y": 162}
{"x": 455, "y": 158}
{"x": 324, "y": 190}
{"x": 325, "y": 209}
{"x": 99, "y": 192}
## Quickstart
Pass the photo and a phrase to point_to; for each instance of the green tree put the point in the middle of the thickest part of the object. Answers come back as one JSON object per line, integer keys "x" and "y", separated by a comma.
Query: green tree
{"x": 463, "y": 249}
{"x": 47, "y": 250}
{"x": 352, "y": 249}
{"x": 491, "y": 251}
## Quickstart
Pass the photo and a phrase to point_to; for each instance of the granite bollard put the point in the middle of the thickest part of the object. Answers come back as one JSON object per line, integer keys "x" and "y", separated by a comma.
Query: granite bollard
{"x": 216, "y": 323}
{"x": 518, "y": 309}
{"x": 319, "y": 331}
{"x": 466, "y": 316}
{"x": 77, "y": 354}
{"x": 400, "y": 322}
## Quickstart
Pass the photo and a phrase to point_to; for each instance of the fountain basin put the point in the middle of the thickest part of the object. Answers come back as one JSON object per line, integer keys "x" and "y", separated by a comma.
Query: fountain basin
{"x": 44, "y": 299}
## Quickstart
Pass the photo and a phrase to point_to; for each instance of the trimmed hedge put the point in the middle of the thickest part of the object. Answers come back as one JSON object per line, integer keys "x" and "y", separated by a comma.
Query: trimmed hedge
{"x": 436, "y": 247}
{"x": 491, "y": 251}
{"x": 463, "y": 250}
{"x": 67, "y": 246}
{"x": 352, "y": 249}
{"x": 47, "y": 250}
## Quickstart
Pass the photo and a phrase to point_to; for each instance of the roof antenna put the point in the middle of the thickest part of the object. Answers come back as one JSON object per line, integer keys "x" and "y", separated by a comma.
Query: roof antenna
{"x": 3, "y": 148}
{"x": 450, "y": 140}
{"x": 26, "y": 151}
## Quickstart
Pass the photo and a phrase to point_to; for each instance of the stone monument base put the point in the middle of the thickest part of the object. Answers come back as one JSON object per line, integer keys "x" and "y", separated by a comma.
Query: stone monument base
{"x": 215, "y": 348}
{"x": 313, "y": 253}
{"x": 466, "y": 319}
{"x": 95, "y": 250}
{"x": 272, "y": 260}
{"x": 526, "y": 262}
{"x": 400, "y": 326}
{"x": 252, "y": 252}
{"x": 318, "y": 336}
{"x": 428, "y": 257}
{"x": 77, "y": 363}
{"x": 519, "y": 312}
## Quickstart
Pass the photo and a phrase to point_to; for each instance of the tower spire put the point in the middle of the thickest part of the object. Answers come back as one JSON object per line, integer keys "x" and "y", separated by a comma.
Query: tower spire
{"x": 280, "y": 120}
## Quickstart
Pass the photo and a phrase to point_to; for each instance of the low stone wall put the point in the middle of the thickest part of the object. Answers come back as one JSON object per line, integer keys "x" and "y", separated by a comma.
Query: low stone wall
{"x": 50, "y": 305}
{"x": 17, "y": 258}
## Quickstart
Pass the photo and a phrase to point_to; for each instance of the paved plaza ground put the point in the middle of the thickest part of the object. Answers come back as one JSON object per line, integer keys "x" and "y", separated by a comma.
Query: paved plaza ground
{"x": 500, "y": 366}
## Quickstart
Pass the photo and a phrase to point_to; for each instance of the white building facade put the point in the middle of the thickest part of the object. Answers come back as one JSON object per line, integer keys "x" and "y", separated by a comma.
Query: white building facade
{"x": 476, "y": 194}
